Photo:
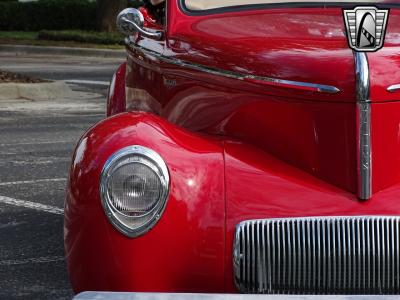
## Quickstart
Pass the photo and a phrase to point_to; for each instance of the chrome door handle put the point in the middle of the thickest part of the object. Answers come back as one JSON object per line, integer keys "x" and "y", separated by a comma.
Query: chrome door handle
{"x": 131, "y": 21}
{"x": 157, "y": 35}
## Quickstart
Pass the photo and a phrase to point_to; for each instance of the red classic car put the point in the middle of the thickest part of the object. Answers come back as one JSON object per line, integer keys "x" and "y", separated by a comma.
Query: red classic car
{"x": 250, "y": 146}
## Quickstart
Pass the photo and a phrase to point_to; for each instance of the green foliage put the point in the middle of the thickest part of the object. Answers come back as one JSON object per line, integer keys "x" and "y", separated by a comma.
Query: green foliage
{"x": 134, "y": 3}
{"x": 18, "y": 35}
{"x": 48, "y": 14}
{"x": 104, "y": 38}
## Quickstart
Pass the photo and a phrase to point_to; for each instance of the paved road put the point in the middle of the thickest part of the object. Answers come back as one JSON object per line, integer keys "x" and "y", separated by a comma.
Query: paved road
{"x": 36, "y": 144}
{"x": 87, "y": 71}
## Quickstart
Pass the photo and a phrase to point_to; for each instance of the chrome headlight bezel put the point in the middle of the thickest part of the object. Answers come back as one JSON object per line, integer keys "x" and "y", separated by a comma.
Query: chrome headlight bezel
{"x": 152, "y": 160}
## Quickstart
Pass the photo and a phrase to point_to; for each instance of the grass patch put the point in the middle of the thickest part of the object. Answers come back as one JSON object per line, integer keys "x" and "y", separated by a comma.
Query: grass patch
{"x": 18, "y": 35}
{"x": 70, "y": 38}
{"x": 93, "y": 37}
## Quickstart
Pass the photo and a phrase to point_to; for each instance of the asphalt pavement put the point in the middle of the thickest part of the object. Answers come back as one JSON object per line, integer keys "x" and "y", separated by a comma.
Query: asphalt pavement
{"x": 36, "y": 144}
{"x": 89, "y": 71}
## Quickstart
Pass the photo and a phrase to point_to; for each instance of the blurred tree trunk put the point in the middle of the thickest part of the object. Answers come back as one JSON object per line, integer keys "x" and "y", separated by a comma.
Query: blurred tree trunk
{"x": 107, "y": 11}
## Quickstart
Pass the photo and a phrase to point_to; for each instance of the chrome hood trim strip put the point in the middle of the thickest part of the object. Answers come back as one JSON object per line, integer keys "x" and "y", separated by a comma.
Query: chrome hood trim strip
{"x": 364, "y": 157}
{"x": 394, "y": 88}
{"x": 314, "y": 87}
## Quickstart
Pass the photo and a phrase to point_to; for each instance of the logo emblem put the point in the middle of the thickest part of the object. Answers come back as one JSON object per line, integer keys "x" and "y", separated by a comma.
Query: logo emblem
{"x": 366, "y": 28}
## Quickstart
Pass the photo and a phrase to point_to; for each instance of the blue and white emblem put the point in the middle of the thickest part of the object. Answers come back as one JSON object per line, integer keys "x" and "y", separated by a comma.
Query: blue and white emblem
{"x": 366, "y": 27}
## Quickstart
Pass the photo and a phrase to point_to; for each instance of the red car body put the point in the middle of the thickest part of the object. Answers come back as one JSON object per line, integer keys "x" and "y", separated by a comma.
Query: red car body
{"x": 237, "y": 148}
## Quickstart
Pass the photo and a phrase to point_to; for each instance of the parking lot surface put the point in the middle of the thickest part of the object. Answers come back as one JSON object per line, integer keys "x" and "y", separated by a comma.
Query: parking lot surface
{"x": 36, "y": 144}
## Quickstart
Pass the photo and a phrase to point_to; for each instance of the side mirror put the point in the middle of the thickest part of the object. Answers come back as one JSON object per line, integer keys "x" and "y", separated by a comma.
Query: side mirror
{"x": 131, "y": 21}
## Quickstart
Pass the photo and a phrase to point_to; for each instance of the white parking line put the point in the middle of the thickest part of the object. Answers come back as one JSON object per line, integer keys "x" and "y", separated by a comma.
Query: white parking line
{"x": 76, "y": 81}
{"x": 37, "y": 163}
{"x": 94, "y": 115}
{"x": 32, "y": 181}
{"x": 43, "y": 259}
{"x": 35, "y": 143}
{"x": 32, "y": 205}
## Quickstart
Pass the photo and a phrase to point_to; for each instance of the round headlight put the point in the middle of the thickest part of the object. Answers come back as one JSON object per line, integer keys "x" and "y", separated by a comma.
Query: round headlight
{"x": 134, "y": 187}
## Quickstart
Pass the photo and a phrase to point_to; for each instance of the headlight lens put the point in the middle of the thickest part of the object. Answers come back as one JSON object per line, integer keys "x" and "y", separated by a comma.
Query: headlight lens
{"x": 134, "y": 188}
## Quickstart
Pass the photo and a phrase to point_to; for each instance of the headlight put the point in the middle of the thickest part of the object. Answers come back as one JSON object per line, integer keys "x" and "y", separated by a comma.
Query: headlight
{"x": 134, "y": 187}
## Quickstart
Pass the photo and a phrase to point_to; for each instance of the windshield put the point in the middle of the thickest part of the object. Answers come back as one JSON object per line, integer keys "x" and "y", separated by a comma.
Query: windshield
{"x": 213, "y": 4}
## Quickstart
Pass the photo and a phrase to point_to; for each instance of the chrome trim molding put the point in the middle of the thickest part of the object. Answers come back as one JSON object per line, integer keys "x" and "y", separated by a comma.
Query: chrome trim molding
{"x": 394, "y": 88}
{"x": 364, "y": 157}
{"x": 234, "y": 75}
{"x": 115, "y": 216}
{"x": 318, "y": 255}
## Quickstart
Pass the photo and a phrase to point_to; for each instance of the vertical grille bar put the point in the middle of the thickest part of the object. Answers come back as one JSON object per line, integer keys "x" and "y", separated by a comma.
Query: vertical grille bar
{"x": 334, "y": 248}
{"x": 264, "y": 261}
{"x": 354, "y": 257}
{"x": 247, "y": 251}
{"x": 289, "y": 239}
{"x": 392, "y": 263}
{"x": 349, "y": 253}
{"x": 308, "y": 252}
{"x": 253, "y": 279}
{"x": 297, "y": 242}
{"x": 324, "y": 272}
{"x": 273, "y": 273}
{"x": 373, "y": 272}
{"x": 304, "y": 253}
{"x": 368, "y": 243}
{"x": 284, "y": 264}
{"x": 292, "y": 249}
{"x": 279, "y": 251}
{"x": 321, "y": 255}
{"x": 359, "y": 253}
{"x": 269, "y": 260}
{"x": 379, "y": 258}
{"x": 363, "y": 238}
{"x": 397, "y": 255}
{"x": 314, "y": 255}
{"x": 318, "y": 251}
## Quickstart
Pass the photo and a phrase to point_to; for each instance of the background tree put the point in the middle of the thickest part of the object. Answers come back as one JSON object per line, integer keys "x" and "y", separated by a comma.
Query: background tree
{"x": 107, "y": 11}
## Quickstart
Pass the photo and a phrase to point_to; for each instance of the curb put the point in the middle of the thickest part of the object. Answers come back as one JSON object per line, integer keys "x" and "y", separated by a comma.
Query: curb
{"x": 35, "y": 91}
{"x": 67, "y": 51}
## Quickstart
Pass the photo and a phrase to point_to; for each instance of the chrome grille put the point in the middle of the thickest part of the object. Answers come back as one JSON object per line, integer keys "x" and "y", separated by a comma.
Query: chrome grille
{"x": 318, "y": 255}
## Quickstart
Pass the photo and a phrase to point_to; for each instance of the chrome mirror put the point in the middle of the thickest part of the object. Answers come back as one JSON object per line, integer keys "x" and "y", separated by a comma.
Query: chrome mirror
{"x": 131, "y": 21}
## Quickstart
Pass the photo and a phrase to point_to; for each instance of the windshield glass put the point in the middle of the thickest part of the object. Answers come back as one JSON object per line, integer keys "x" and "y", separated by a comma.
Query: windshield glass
{"x": 213, "y": 4}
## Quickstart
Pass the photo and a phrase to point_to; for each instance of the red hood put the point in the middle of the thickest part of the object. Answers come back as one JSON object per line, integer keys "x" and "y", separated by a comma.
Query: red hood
{"x": 306, "y": 45}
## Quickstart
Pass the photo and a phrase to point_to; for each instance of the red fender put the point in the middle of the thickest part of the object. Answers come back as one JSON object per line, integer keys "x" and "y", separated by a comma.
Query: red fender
{"x": 185, "y": 250}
